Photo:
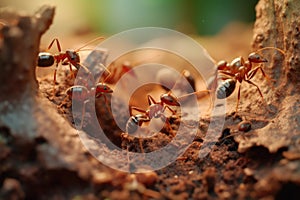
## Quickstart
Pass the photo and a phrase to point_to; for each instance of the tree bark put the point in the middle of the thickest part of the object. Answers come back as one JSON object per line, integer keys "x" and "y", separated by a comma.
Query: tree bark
{"x": 277, "y": 25}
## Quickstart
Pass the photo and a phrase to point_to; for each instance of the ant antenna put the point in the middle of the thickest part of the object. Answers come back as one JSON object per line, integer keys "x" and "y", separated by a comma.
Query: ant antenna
{"x": 189, "y": 94}
{"x": 109, "y": 73}
{"x": 90, "y": 49}
{"x": 181, "y": 76}
{"x": 89, "y": 42}
{"x": 197, "y": 92}
{"x": 275, "y": 48}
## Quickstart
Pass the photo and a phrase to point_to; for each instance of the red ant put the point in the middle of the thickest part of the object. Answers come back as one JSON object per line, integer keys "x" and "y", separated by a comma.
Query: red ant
{"x": 117, "y": 72}
{"x": 69, "y": 57}
{"x": 118, "y": 69}
{"x": 82, "y": 93}
{"x": 156, "y": 110}
{"x": 240, "y": 70}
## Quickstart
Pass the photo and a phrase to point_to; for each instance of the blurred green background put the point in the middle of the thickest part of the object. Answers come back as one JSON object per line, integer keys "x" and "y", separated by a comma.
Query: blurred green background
{"x": 112, "y": 16}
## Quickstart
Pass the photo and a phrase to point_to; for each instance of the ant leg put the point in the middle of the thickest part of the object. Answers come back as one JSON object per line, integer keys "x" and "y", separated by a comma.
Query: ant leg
{"x": 141, "y": 145}
{"x": 82, "y": 66}
{"x": 165, "y": 119}
{"x": 260, "y": 93}
{"x": 83, "y": 113}
{"x": 252, "y": 73}
{"x": 137, "y": 109}
{"x": 72, "y": 73}
{"x": 126, "y": 67}
{"x": 57, "y": 44}
{"x": 248, "y": 81}
{"x": 267, "y": 77}
{"x": 128, "y": 158}
{"x": 90, "y": 75}
{"x": 54, "y": 78}
{"x": 238, "y": 100}
{"x": 174, "y": 112}
{"x": 150, "y": 98}
{"x": 109, "y": 73}
{"x": 181, "y": 76}
{"x": 170, "y": 109}
{"x": 110, "y": 78}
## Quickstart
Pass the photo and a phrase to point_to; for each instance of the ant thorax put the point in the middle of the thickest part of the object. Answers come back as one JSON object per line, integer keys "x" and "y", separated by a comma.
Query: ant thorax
{"x": 155, "y": 110}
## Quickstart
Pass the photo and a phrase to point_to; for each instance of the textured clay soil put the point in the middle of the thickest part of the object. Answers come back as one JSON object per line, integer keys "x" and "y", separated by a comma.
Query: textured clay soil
{"x": 254, "y": 156}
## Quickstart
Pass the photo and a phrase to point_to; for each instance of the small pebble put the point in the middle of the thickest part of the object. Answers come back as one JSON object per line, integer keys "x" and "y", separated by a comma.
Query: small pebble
{"x": 148, "y": 179}
{"x": 244, "y": 126}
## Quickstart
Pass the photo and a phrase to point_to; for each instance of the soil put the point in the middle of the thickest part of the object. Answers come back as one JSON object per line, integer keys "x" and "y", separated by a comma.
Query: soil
{"x": 255, "y": 156}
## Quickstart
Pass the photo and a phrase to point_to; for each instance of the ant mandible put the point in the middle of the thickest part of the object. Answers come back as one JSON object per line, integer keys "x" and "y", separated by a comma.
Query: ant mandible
{"x": 240, "y": 70}
{"x": 68, "y": 57}
{"x": 82, "y": 93}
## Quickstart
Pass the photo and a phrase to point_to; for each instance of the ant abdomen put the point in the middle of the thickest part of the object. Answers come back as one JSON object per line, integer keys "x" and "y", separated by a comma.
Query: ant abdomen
{"x": 45, "y": 59}
{"x": 134, "y": 122}
{"x": 226, "y": 88}
{"x": 132, "y": 125}
{"x": 78, "y": 92}
{"x": 222, "y": 65}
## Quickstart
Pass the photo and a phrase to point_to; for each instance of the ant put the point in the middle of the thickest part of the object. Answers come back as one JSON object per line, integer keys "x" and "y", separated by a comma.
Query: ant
{"x": 119, "y": 68}
{"x": 156, "y": 110}
{"x": 82, "y": 93}
{"x": 68, "y": 57}
{"x": 240, "y": 70}
{"x": 118, "y": 71}
{"x": 167, "y": 79}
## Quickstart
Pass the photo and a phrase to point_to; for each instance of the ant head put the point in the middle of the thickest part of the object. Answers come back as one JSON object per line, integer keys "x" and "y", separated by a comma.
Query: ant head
{"x": 222, "y": 65}
{"x": 102, "y": 88}
{"x": 45, "y": 59}
{"x": 78, "y": 92}
{"x": 169, "y": 99}
{"x": 256, "y": 58}
{"x": 73, "y": 56}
